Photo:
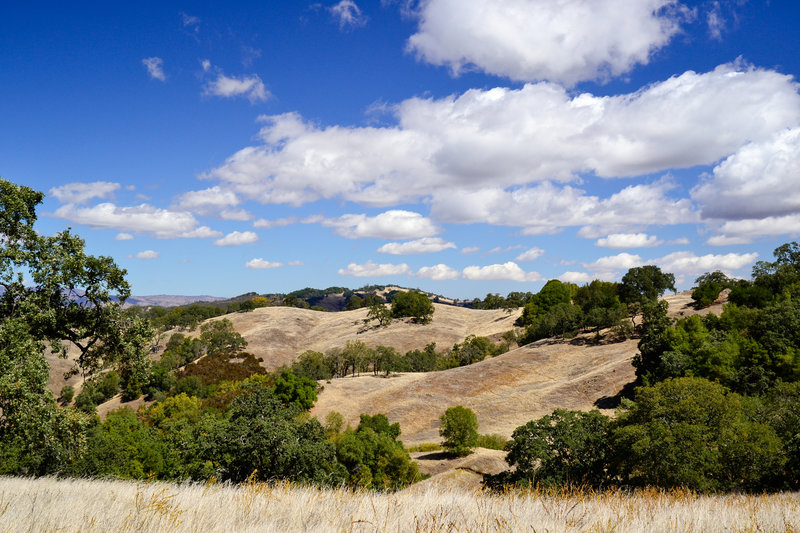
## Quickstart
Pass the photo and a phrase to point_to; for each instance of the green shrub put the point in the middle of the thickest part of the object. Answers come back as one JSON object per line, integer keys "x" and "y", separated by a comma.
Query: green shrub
{"x": 459, "y": 427}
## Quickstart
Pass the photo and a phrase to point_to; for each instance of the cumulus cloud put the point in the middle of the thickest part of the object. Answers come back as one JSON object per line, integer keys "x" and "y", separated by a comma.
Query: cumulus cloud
{"x": 162, "y": 223}
{"x": 268, "y": 224}
{"x": 512, "y": 141}
{"x": 348, "y": 14}
{"x": 500, "y": 272}
{"x": 546, "y": 208}
{"x": 237, "y": 238}
{"x": 260, "y": 263}
{"x": 530, "y": 255}
{"x": 583, "y": 277}
{"x": 230, "y": 87}
{"x": 689, "y": 264}
{"x": 393, "y": 224}
{"x": 81, "y": 193}
{"x": 155, "y": 67}
{"x": 438, "y": 272}
{"x": 629, "y": 240}
{"x": 147, "y": 255}
{"x": 425, "y": 245}
{"x": 762, "y": 179}
{"x": 207, "y": 201}
{"x": 123, "y": 237}
{"x": 370, "y": 269}
{"x": 544, "y": 39}
{"x": 746, "y": 231}
{"x": 622, "y": 261}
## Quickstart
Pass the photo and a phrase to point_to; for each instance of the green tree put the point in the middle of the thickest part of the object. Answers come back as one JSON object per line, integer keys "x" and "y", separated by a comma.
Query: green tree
{"x": 220, "y": 338}
{"x": 52, "y": 292}
{"x": 379, "y": 312}
{"x": 296, "y": 390}
{"x": 459, "y": 427}
{"x": 645, "y": 283}
{"x": 412, "y": 304}
{"x": 565, "y": 447}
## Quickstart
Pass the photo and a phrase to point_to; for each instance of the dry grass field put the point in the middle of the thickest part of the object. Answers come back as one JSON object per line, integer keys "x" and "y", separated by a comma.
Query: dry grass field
{"x": 101, "y": 506}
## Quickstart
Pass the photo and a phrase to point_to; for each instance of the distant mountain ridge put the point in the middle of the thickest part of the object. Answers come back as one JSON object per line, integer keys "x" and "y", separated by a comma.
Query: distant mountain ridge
{"x": 169, "y": 300}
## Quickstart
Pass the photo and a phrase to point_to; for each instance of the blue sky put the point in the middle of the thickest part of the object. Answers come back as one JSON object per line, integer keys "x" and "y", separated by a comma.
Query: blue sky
{"x": 459, "y": 146}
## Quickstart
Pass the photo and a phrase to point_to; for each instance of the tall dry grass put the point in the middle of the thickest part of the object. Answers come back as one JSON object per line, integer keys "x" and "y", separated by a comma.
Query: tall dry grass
{"x": 83, "y": 505}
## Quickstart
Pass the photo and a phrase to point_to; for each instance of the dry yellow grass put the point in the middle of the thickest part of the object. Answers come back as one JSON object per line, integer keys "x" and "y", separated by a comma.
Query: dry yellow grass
{"x": 88, "y": 506}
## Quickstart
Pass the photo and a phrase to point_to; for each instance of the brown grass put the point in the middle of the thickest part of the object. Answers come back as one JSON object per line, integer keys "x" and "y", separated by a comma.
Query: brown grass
{"x": 89, "y": 506}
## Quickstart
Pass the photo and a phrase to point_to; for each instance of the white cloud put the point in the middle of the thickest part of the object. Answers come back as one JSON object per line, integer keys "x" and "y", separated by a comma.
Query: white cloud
{"x": 295, "y": 263}
{"x": 208, "y": 201}
{"x": 546, "y": 208}
{"x": 488, "y": 141}
{"x": 348, "y": 14}
{"x": 235, "y": 214}
{"x": 260, "y": 263}
{"x": 507, "y": 271}
{"x": 203, "y": 232}
{"x": 424, "y": 245}
{"x": 147, "y": 255}
{"x": 629, "y": 240}
{"x": 80, "y": 193}
{"x": 746, "y": 231}
{"x": 155, "y": 67}
{"x": 582, "y": 277}
{"x": 530, "y": 255}
{"x": 162, "y": 223}
{"x": 237, "y": 238}
{"x": 123, "y": 237}
{"x": 622, "y": 261}
{"x": 229, "y": 87}
{"x": 370, "y": 269}
{"x": 393, "y": 224}
{"x": 762, "y": 179}
{"x": 689, "y": 264}
{"x": 268, "y": 224}
{"x": 438, "y": 272}
{"x": 558, "y": 40}
{"x": 206, "y": 64}
{"x": 190, "y": 21}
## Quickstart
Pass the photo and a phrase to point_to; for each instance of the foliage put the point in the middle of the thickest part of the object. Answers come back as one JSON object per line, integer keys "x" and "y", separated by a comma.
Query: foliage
{"x": 373, "y": 456}
{"x": 492, "y": 441}
{"x": 295, "y": 390}
{"x": 379, "y": 312}
{"x": 214, "y": 369}
{"x": 67, "y": 394}
{"x": 645, "y": 283}
{"x": 312, "y": 365}
{"x": 220, "y": 338}
{"x": 553, "y": 293}
{"x": 262, "y": 439}
{"x": 96, "y": 391}
{"x": 709, "y": 286}
{"x": 563, "y": 448}
{"x": 412, "y": 304}
{"x": 459, "y": 427}
{"x": 692, "y": 433}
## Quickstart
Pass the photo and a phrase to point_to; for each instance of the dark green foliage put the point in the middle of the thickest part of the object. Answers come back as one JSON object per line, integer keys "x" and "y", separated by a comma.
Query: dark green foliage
{"x": 708, "y": 287}
{"x": 422, "y": 360}
{"x": 295, "y": 390}
{"x": 645, "y": 283}
{"x": 354, "y": 303}
{"x": 750, "y": 295}
{"x": 378, "y": 311}
{"x": 412, "y": 304}
{"x": 185, "y": 317}
{"x": 264, "y": 439}
{"x": 67, "y": 394}
{"x": 560, "y": 319}
{"x": 97, "y": 391}
{"x": 121, "y": 446}
{"x": 373, "y": 456}
{"x": 553, "y": 293}
{"x": 692, "y": 433}
{"x": 459, "y": 427}
{"x": 312, "y": 365}
{"x": 564, "y": 448}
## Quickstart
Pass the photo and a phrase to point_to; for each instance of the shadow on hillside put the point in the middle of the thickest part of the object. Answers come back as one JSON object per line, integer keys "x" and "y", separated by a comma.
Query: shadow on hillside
{"x": 612, "y": 402}
{"x": 434, "y": 456}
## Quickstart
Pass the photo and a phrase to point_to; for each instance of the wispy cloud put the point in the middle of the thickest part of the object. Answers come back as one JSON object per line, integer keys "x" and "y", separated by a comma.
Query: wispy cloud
{"x": 348, "y": 14}
{"x": 155, "y": 67}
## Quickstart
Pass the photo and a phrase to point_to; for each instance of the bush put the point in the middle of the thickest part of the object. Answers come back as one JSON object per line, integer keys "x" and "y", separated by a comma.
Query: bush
{"x": 412, "y": 304}
{"x": 459, "y": 427}
{"x": 67, "y": 393}
{"x": 492, "y": 441}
